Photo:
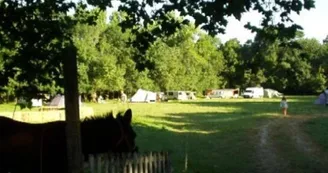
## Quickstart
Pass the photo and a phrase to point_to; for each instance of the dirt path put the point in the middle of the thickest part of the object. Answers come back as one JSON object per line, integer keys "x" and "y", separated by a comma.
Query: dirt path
{"x": 272, "y": 159}
{"x": 269, "y": 161}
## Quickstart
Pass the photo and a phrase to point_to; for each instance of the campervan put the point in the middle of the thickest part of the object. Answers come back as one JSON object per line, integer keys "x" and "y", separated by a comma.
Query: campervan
{"x": 175, "y": 95}
{"x": 253, "y": 92}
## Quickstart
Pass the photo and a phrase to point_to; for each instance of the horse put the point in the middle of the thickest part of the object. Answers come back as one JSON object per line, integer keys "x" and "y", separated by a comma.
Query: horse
{"x": 41, "y": 148}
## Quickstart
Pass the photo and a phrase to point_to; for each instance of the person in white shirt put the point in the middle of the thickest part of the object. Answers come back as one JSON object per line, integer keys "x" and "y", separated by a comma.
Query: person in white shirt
{"x": 284, "y": 105}
{"x": 123, "y": 97}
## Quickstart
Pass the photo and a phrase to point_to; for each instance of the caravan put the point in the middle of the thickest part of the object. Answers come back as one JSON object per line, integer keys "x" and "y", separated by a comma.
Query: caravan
{"x": 223, "y": 93}
{"x": 254, "y": 92}
{"x": 191, "y": 95}
{"x": 175, "y": 95}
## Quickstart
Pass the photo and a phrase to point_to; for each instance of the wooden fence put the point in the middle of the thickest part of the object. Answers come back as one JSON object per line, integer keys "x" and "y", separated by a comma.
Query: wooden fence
{"x": 153, "y": 162}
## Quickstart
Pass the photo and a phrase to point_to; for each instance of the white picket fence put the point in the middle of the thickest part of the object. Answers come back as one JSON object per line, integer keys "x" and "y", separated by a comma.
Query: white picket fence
{"x": 153, "y": 162}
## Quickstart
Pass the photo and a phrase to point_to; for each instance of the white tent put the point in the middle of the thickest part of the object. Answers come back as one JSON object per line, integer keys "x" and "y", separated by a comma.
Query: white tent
{"x": 59, "y": 101}
{"x": 143, "y": 96}
{"x": 271, "y": 93}
{"x": 321, "y": 100}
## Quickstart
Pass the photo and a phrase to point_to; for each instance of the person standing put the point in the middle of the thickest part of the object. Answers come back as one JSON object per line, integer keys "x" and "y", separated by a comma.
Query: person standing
{"x": 123, "y": 96}
{"x": 284, "y": 105}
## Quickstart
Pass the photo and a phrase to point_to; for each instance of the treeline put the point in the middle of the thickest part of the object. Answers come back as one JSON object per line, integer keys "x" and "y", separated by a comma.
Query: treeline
{"x": 110, "y": 59}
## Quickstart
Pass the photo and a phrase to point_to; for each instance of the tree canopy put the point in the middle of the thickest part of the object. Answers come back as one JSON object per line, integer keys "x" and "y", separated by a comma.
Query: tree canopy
{"x": 188, "y": 59}
{"x": 34, "y": 34}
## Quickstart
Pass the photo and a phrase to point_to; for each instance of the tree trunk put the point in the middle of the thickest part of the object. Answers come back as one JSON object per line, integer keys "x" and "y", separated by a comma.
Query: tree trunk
{"x": 73, "y": 132}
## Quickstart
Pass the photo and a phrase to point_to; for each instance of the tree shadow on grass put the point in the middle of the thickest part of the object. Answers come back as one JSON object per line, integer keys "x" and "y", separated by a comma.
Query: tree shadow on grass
{"x": 206, "y": 142}
{"x": 296, "y": 106}
{"x": 213, "y": 141}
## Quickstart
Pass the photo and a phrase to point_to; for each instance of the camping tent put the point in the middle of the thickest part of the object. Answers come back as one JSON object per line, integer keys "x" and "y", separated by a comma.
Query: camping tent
{"x": 321, "y": 100}
{"x": 271, "y": 93}
{"x": 59, "y": 101}
{"x": 143, "y": 96}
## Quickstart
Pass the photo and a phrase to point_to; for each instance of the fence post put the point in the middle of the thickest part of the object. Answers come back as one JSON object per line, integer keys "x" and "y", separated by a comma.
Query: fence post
{"x": 151, "y": 162}
{"x": 168, "y": 163}
{"x": 135, "y": 163}
{"x": 130, "y": 162}
{"x": 106, "y": 167}
{"x": 161, "y": 162}
{"x": 124, "y": 163}
{"x": 141, "y": 163}
{"x": 111, "y": 163}
{"x": 116, "y": 163}
{"x": 146, "y": 163}
{"x": 158, "y": 162}
{"x": 91, "y": 164}
{"x": 98, "y": 163}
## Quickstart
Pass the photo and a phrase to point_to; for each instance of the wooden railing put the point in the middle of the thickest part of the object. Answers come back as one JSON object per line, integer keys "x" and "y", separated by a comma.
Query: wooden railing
{"x": 153, "y": 162}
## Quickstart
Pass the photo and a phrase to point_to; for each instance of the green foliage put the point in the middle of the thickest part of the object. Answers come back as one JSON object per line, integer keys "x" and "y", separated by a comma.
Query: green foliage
{"x": 22, "y": 103}
{"x": 33, "y": 34}
{"x": 210, "y": 15}
{"x": 159, "y": 53}
{"x": 182, "y": 63}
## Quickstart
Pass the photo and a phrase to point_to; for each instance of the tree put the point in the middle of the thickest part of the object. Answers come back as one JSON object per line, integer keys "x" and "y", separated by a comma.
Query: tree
{"x": 86, "y": 42}
{"x": 210, "y": 16}
{"x": 39, "y": 33}
{"x": 231, "y": 51}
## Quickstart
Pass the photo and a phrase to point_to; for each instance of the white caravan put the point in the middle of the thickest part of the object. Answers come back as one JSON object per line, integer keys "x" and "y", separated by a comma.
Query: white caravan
{"x": 254, "y": 92}
{"x": 175, "y": 95}
{"x": 223, "y": 93}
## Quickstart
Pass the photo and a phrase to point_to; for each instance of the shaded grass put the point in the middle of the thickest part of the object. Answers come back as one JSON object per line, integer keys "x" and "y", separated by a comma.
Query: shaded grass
{"x": 207, "y": 152}
{"x": 207, "y": 135}
{"x": 317, "y": 128}
{"x": 295, "y": 161}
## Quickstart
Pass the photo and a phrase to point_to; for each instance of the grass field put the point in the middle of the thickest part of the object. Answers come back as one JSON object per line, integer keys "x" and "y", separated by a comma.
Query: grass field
{"x": 231, "y": 135}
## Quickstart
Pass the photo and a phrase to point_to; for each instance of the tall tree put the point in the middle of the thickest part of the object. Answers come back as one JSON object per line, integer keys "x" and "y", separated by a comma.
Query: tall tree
{"x": 231, "y": 51}
{"x": 39, "y": 32}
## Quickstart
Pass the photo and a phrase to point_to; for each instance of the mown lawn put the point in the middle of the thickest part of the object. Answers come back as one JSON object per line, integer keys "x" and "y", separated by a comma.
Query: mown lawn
{"x": 209, "y": 135}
